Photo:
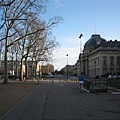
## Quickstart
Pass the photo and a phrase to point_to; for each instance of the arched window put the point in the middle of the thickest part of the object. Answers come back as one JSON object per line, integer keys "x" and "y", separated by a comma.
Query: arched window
{"x": 98, "y": 60}
{"x": 118, "y": 60}
{"x": 111, "y": 60}
{"x": 104, "y": 60}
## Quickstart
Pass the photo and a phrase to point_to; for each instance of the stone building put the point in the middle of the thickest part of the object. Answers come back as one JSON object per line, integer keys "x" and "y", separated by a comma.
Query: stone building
{"x": 49, "y": 68}
{"x": 75, "y": 69}
{"x": 68, "y": 69}
{"x": 99, "y": 57}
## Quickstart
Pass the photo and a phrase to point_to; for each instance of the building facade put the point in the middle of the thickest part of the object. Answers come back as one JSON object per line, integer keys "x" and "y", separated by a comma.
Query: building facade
{"x": 69, "y": 69}
{"x": 49, "y": 68}
{"x": 14, "y": 68}
{"x": 99, "y": 57}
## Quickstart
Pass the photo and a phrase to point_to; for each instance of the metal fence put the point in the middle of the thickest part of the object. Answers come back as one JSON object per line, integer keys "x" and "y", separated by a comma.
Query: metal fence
{"x": 102, "y": 85}
{"x": 114, "y": 84}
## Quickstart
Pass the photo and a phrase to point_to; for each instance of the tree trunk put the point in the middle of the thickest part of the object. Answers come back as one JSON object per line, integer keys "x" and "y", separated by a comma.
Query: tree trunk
{"x": 26, "y": 68}
{"x": 5, "y": 63}
{"x": 16, "y": 68}
{"x": 13, "y": 72}
{"x": 35, "y": 69}
{"x": 21, "y": 74}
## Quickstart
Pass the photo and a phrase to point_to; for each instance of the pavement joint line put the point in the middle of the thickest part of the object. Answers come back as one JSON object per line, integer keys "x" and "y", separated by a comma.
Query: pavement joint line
{"x": 45, "y": 102}
{"x": 19, "y": 102}
{"x": 29, "y": 104}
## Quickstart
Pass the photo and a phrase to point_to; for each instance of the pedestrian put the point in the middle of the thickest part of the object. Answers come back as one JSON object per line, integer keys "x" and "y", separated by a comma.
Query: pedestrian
{"x": 81, "y": 82}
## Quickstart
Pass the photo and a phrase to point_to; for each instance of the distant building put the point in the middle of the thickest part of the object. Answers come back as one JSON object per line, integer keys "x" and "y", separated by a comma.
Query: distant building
{"x": 99, "y": 57}
{"x": 75, "y": 69}
{"x": 49, "y": 68}
{"x": 70, "y": 69}
{"x": 14, "y": 68}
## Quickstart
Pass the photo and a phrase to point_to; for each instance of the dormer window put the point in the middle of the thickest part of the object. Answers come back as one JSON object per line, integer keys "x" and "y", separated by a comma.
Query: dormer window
{"x": 98, "y": 42}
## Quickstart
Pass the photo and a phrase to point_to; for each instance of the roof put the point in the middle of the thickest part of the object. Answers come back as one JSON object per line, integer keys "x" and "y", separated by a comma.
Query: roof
{"x": 95, "y": 40}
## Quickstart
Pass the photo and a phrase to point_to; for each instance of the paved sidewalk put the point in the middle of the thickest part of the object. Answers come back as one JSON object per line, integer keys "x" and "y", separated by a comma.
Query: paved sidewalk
{"x": 62, "y": 101}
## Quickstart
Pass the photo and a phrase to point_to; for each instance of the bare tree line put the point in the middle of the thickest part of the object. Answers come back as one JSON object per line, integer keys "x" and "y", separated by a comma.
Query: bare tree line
{"x": 24, "y": 34}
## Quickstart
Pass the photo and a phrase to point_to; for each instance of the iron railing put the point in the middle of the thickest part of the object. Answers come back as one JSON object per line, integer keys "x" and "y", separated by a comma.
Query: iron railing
{"x": 102, "y": 85}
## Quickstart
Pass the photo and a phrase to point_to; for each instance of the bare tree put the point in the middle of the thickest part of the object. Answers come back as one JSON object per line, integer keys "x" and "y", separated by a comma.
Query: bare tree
{"x": 6, "y": 3}
{"x": 35, "y": 44}
{"x": 15, "y": 17}
{"x": 39, "y": 47}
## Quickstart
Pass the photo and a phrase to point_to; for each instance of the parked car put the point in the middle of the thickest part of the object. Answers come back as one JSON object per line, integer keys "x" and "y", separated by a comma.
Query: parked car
{"x": 97, "y": 77}
{"x": 114, "y": 76}
{"x": 49, "y": 75}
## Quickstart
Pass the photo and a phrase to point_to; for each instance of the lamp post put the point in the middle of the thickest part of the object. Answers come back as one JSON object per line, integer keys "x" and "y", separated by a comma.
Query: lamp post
{"x": 81, "y": 35}
{"x": 67, "y": 67}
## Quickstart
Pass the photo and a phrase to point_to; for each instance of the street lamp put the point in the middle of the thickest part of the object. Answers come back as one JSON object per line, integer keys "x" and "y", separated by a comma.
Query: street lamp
{"x": 81, "y": 35}
{"x": 67, "y": 67}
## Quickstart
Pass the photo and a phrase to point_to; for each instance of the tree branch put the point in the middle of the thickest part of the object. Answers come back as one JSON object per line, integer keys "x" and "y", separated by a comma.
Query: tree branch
{"x": 18, "y": 38}
{"x": 7, "y": 4}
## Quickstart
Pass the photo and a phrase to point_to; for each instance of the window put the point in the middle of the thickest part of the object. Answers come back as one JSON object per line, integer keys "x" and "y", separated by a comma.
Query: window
{"x": 111, "y": 60}
{"x": 118, "y": 60}
{"x": 104, "y": 70}
{"x": 98, "y": 60}
{"x": 104, "y": 60}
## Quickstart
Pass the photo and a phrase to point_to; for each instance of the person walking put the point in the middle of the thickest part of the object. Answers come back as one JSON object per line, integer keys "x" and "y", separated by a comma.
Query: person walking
{"x": 81, "y": 82}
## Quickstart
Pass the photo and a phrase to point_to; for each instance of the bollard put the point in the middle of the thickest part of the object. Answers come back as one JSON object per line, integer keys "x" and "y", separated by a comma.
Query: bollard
{"x": 59, "y": 79}
{"x": 38, "y": 81}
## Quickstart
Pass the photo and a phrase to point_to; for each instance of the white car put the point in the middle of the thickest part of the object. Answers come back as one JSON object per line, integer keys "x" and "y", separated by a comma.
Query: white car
{"x": 50, "y": 75}
{"x": 113, "y": 76}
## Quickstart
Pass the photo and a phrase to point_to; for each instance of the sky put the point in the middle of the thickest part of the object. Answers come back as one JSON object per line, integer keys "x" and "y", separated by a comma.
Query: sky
{"x": 81, "y": 16}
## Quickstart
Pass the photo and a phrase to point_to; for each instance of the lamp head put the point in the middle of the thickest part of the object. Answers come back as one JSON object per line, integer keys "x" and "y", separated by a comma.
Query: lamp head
{"x": 80, "y": 35}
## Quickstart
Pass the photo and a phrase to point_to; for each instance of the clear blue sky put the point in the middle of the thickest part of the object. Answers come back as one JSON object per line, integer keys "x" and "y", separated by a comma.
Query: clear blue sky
{"x": 81, "y": 16}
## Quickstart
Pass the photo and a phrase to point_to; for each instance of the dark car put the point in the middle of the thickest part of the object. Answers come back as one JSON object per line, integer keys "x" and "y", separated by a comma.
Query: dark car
{"x": 97, "y": 77}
